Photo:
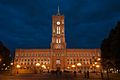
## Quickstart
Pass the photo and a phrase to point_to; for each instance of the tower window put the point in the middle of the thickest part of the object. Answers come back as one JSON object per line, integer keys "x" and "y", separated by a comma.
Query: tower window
{"x": 58, "y": 30}
{"x": 59, "y": 40}
{"x": 56, "y": 40}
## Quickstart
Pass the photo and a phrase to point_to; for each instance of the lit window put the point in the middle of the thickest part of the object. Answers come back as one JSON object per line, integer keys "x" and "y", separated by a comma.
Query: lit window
{"x": 53, "y": 30}
{"x": 59, "y": 40}
{"x": 56, "y": 40}
{"x": 59, "y": 30}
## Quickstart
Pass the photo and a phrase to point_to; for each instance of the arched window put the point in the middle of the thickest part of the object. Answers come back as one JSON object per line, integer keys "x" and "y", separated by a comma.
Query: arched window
{"x": 56, "y": 40}
{"x": 59, "y": 40}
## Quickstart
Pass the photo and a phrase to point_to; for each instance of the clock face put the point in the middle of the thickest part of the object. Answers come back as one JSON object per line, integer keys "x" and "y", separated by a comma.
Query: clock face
{"x": 58, "y": 22}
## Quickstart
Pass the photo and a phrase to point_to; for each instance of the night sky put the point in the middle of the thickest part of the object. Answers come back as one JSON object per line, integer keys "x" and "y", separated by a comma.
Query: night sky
{"x": 28, "y": 23}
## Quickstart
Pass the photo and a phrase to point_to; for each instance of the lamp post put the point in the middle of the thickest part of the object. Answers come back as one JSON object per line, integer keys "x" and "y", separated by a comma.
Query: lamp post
{"x": 37, "y": 65}
{"x": 78, "y": 65}
{"x": 11, "y": 67}
{"x": 18, "y": 67}
{"x": 97, "y": 67}
{"x": 73, "y": 66}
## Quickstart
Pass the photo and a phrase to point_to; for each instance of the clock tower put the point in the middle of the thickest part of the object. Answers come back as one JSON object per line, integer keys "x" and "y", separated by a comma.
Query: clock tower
{"x": 58, "y": 34}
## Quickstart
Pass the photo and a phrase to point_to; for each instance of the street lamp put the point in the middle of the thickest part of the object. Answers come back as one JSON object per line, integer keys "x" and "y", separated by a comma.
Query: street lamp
{"x": 11, "y": 63}
{"x": 11, "y": 67}
{"x": 43, "y": 66}
{"x": 97, "y": 66}
{"x": 78, "y": 64}
{"x": 18, "y": 66}
{"x": 68, "y": 67}
{"x": 99, "y": 59}
{"x": 73, "y": 66}
{"x": 37, "y": 66}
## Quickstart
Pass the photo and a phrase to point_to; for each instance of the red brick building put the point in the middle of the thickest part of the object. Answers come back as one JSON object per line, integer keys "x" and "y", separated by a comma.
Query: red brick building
{"x": 58, "y": 57}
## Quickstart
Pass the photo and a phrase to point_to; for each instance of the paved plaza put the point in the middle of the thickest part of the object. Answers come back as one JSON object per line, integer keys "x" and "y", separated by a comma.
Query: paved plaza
{"x": 54, "y": 76}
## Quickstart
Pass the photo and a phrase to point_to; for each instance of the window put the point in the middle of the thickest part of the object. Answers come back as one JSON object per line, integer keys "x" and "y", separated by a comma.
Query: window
{"x": 56, "y": 40}
{"x": 44, "y": 59}
{"x": 67, "y": 59}
{"x": 81, "y": 60}
{"x": 59, "y": 40}
{"x": 58, "y": 30}
{"x": 77, "y": 60}
{"x": 90, "y": 61}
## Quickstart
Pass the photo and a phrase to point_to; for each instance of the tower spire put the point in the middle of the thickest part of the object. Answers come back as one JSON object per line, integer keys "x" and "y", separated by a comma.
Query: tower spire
{"x": 58, "y": 8}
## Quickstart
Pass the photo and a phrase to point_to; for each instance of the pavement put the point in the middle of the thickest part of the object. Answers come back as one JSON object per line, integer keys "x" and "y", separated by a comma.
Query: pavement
{"x": 54, "y": 76}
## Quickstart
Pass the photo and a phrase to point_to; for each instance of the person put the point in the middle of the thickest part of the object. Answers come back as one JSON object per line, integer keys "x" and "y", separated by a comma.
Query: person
{"x": 102, "y": 75}
{"x": 75, "y": 73}
{"x": 60, "y": 73}
{"x": 85, "y": 74}
{"x": 56, "y": 72}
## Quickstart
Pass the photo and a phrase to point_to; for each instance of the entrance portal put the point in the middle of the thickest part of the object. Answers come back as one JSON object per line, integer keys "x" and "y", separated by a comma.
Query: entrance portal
{"x": 58, "y": 68}
{"x": 58, "y": 64}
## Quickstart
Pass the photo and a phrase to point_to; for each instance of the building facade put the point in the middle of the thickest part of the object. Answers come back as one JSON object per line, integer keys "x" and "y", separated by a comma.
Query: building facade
{"x": 58, "y": 57}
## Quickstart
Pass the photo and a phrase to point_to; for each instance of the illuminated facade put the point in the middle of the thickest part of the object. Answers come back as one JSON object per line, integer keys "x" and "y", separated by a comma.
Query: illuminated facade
{"x": 58, "y": 57}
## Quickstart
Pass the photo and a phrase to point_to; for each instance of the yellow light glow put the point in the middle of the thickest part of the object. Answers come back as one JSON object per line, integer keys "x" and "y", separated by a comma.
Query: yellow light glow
{"x": 95, "y": 62}
{"x": 18, "y": 66}
{"x": 68, "y": 67}
{"x": 98, "y": 59}
{"x": 11, "y": 63}
{"x": 38, "y": 64}
{"x": 97, "y": 66}
{"x": 43, "y": 66}
{"x": 73, "y": 66}
{"x": 78, "y": 64}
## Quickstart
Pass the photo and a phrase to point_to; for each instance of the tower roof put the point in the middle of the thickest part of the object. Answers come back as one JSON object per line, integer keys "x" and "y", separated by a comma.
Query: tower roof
{"x": 58, "y": 13}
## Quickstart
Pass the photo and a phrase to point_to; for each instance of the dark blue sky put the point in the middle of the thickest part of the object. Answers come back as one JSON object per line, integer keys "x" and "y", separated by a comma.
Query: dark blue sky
{"x": 27, "y": 23}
